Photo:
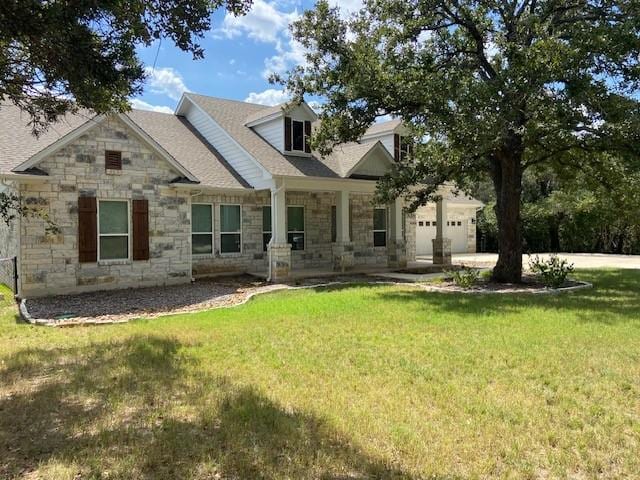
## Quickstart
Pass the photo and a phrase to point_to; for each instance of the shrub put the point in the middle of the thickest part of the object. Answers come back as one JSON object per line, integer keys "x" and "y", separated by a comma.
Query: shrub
{"x": 465, "y": 278}
{"x": 552, "y": 272}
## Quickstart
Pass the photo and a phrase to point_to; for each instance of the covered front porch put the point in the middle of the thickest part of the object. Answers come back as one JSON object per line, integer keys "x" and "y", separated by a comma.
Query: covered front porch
{"x": 332, "y": 227}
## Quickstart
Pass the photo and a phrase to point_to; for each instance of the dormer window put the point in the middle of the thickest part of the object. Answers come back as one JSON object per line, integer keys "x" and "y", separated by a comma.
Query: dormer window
{"x": 296, "y": 135}
{"x": 402, "y": 147}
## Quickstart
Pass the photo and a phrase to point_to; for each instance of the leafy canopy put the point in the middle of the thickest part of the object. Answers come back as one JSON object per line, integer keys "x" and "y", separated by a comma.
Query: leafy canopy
{"x": 59, "y": 56}
{"x": 493, "y": 85}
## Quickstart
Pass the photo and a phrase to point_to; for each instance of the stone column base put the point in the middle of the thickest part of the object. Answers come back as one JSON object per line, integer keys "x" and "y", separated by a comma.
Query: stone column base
{"x": 342, "y": 256}
{"x": 397, "y": 254}
{"x": 279, "y": 261}
{"x": 442, "y": 251}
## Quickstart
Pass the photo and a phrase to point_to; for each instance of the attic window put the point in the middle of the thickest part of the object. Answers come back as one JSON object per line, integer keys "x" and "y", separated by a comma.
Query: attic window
{"x": 296, "y": 135}
{"x": 112, "y": 160}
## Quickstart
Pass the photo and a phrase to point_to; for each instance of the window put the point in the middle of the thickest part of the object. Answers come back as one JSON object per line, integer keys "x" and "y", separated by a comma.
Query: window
{"x": 405, "y": 147}
{"x": 113, "y": 230}
{"x": 379, "y": 227}
{"x": 201, "y": 229}
{"x": 421, "y": 224}
{"x": 459, "y": 224}
{"x": 230, "y": 233}
{"x": 295, "y": 227}
{"x": 112, "y": 160}
{"x": 434, "y": 224}
{"x": 266, "y": 227}
{"x": 297, "y": 132}
{"x": 428, "y": 224}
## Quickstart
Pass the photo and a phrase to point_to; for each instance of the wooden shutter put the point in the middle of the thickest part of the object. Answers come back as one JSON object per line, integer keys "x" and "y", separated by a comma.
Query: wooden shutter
{"x": 396, "y": 147}
{"x": 307, "y": 136}
{"x": 87, "y": 230}
{"x": 140, "y": 230}
{"x": 287, "y": 134}
{"x": 112, "y": 160}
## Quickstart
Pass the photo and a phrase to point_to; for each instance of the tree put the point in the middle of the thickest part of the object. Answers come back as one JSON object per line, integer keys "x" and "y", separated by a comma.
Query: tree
{"x": 57, "y": 57}
{"x": 495, "y": 86}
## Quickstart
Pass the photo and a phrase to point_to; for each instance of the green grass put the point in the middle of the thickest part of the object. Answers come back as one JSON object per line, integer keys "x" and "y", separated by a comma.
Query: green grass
{"x": 336, "y": 383}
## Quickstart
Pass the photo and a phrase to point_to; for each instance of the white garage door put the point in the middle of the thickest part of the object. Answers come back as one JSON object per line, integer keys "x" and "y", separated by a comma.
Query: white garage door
{"x": 426, "y": 231}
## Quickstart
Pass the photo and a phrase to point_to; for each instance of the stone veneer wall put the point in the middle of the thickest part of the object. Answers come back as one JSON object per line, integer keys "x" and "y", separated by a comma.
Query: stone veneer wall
{"x": 49, "y": 263}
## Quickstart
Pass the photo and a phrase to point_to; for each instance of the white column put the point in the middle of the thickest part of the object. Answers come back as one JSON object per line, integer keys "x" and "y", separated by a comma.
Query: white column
{"x": 278, "y": 215}
{"x": 441, "y": 218}
{"x": 342, "y": 217}
{"x": 395, "y": 220}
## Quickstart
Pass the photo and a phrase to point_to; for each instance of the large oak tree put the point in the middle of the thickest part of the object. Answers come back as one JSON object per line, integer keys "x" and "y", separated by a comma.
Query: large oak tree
{"x": 494, "y": 86}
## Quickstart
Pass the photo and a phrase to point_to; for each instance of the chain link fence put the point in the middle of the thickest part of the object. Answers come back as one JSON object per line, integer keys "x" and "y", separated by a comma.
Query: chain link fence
{"x": 9, "y": 273}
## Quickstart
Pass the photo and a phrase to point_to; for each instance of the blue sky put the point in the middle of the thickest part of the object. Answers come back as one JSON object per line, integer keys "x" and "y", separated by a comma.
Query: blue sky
{"x": 240, "y": 52}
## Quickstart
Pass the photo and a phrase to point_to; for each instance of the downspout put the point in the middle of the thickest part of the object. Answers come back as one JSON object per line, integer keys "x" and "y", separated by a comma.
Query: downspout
{"x": 273, "y": 213}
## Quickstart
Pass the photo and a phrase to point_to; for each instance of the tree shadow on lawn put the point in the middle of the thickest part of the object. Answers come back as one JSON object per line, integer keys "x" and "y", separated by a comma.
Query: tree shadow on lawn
{"x": 135, "y": 409}
{"x": 614, "y": 298}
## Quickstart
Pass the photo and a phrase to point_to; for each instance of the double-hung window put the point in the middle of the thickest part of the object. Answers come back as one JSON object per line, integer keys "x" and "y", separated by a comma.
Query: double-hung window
{"x": 295, "y": 227}
{"x": 230, "y": 229}
{"x": 379, "y": 227}
{"x": 113, "y": 229}
{"x": 297, "y": 135}
{"x": 201, "y": 229}
{"x": 266, "y": 227}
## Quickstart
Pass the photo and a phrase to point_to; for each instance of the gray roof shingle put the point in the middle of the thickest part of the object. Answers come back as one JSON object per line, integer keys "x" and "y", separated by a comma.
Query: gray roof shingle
{"x": 383, "y": 127}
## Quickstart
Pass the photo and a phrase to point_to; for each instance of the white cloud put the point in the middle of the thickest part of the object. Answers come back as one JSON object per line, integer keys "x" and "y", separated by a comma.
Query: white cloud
{"x": 264, "y": 23}
{"x": 269, "y": 97}
{"x": 142, "y": 105}
{"x": 166, "y": 81}
{"x": 347, "y": 7}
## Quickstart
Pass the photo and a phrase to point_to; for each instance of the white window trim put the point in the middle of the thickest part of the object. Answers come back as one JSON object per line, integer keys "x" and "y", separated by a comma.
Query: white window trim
{"x": 404, "y": 147}
{"x": 263, "y": 230}
{"x": 304, "y": 138}
{"x": 213, "y": 241}
{"x": 128, "y": 235}
{"x": 304, "y": 225}
{"x": 230, "y": 233}
{"x": 386, "y": 229}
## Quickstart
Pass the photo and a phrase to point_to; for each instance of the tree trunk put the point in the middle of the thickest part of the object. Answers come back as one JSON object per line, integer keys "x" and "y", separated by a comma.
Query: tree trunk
{"x": 507, "y": 180}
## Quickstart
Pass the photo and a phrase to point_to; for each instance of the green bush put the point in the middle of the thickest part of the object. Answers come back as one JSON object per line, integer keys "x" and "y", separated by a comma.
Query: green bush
{"x": 552, "y": 272}
{"x": 465, "y": 278}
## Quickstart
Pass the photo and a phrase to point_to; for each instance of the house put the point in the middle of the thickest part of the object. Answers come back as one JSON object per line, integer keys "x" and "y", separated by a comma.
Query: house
{"x": 460, "y": 210}
{"x": 147, "y": 198}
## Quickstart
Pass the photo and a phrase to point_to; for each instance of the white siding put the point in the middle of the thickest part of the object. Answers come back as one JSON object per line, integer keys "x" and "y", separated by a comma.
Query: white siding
{"x": 237, "y": 158}
{"x": 375, "y": 165}
{"x": 272, "y": 132}
{"x": 386, "y": 140}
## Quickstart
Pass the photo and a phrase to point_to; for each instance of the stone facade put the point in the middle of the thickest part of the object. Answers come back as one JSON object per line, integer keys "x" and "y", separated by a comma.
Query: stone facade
{"x": 49, "y": 263}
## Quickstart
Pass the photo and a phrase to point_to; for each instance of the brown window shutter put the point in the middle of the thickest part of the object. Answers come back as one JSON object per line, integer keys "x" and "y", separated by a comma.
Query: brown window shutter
{"x": 396, "y": 147}
{"x": 287, "y": 134}
{"x": 140, "y": 230}
{"x": 87, "y": 230}
{"x": 112, "y": 160}
{"x": 307, "y": 136}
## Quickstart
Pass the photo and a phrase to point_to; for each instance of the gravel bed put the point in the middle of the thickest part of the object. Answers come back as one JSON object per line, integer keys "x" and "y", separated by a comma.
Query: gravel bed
{"x": 113, "y": 306}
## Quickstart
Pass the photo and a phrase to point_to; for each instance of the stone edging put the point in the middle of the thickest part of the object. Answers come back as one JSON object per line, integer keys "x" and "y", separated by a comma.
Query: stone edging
{"x": 542, "y": 291}
{"x": 24, "y": 312}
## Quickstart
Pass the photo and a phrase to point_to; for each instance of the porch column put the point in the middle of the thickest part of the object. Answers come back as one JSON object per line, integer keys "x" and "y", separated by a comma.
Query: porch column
{"x": 397, "y": 249}
{"x": 278, "y": 249}
{"x": 441, "y": 244}
{"x": 343, "y": 246}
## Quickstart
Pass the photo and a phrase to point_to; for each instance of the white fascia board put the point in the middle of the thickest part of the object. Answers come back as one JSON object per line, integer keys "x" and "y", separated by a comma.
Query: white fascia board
{"x": 322, "y": 184}
{"x": 60, "y": 143}
{"x": 156, "y": 146}
{"x": 265, "y": 172}
{"x": 375, "y": 146}
{"x": 208, "y": 189}
{"x": 268, "y": 118}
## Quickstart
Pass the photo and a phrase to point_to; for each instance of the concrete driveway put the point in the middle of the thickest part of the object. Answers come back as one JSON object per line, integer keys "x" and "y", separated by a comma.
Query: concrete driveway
{"x": 580, "y": 260}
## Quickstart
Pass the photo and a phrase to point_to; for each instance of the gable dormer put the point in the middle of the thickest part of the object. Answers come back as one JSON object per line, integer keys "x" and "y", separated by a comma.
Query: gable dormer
{"x": 393, "y": 135}
{"x": 285, "y": 127}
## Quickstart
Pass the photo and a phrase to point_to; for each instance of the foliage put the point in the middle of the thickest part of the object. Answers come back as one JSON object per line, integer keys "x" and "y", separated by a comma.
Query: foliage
{"x": 465, "y": 278}
{"x": 59, "y": 57}
{"x": 381, "y": 382}
{"x": 495, "y": 87}
{"x": 11, "y": 206}
{"x": 553, "y": 271}
{"x": 575, "y": 212}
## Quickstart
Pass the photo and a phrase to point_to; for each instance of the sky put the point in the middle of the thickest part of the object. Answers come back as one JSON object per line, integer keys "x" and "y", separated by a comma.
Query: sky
{"x": 240, "y": 54}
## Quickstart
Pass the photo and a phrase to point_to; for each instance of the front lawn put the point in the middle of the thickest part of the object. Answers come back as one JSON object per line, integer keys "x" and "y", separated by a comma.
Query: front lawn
{"x": 340, "y": 383}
